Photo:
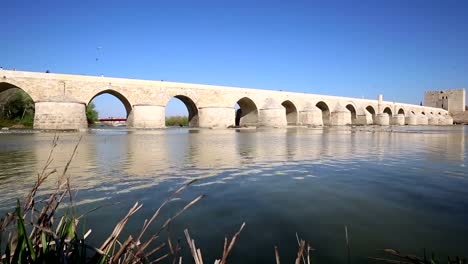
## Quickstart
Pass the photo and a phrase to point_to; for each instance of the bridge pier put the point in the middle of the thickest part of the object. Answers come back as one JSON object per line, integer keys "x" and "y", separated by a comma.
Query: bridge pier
{"x": 364, "y": 119}
{"x": 448, "y": 120}
{"x": 310, "y": 116}
{"x": 411, "y": 119}
{"x": 272, "y": 114}
{"x": 433, "y": 120}
{"x": 382, "y": 119}
{"x": 58, "y": 115}
{"x": 216, "y": 117}
{"x": 398, "y": 120}
{"x": 341, "y": 116}
{"x": 422, "y": 119}
{"x": 147, "y": 116}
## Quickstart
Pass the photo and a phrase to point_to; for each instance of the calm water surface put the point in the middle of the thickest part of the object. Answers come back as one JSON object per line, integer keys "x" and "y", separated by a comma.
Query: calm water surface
{"x": 404, "y": 188}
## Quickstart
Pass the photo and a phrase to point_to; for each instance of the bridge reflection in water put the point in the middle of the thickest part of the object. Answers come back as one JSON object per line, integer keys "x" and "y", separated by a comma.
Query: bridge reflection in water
{"x": 149, "y": 157}
{"x": 385, "y": 184}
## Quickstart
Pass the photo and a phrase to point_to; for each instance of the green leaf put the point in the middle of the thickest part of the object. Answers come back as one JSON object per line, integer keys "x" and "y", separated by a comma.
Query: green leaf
{"x": 7, "y": 254}
{"x": 44, "y": 243}
{"x": 22, "y": 232}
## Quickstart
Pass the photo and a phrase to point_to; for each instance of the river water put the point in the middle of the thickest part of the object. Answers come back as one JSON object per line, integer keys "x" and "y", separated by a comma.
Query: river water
{"x": 404, "y": 188}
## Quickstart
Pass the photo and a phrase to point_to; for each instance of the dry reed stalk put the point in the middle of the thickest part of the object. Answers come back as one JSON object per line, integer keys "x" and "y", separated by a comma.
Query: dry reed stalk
{"x": 193, "y": 248}
{"x": 300, "y": 252}
{"x": 347, "y": 245}
{"x": 119, "y": 227}
{"x": 196, "y": 252}
{"x": 156, "y": 213}
{"x": 231, "y": 245}
{"x": 299, "y": 244}
{"x": 277, "y": 257}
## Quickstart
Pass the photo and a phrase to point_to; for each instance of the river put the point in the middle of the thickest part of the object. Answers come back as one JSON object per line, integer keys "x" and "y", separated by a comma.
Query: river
{"x": 404, "y": 188}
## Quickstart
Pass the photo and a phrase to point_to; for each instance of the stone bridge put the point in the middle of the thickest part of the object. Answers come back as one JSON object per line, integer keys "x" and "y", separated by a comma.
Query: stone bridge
{"x": 61, "y": 99}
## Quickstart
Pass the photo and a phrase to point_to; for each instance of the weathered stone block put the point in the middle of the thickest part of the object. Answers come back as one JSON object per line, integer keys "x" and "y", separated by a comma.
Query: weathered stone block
{"x": 398, "y": 120}
{"x": 273, "y": 117}
{"x": 60, "y": 115}
{"x": 216, "y": 117}
{"x": 382, "y": 119}
{"x": 341, "y": 118}
{"x": 147, "y": 116}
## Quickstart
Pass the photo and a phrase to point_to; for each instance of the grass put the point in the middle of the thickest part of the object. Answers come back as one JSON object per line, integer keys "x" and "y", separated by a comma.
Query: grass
{"x": 35, "y": 233}
{"x": 26, "y": 122}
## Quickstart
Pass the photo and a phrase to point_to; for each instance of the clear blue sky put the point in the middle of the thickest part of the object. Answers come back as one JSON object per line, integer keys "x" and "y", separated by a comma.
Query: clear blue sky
{"x": 347, "y": 48}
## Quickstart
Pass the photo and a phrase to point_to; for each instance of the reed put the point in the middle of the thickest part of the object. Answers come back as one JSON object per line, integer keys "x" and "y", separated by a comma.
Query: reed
{"x": 34, "y": 233}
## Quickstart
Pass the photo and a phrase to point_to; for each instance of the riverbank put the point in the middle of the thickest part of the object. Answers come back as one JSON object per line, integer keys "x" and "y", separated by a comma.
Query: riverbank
{"x": 16, "y": 124}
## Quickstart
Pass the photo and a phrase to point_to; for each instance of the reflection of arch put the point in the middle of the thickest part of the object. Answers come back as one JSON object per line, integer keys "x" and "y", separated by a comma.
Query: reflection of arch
{"x": 123, "y": 99}
{"x": 247, "y": 114}
{"x": 192, "y": 109}
{"x": 325, "y": 112}
{"x": 291, "y": 112}
{"x": 388, "y": 111}
{"x": 352, "y": 109}
{"x": 401, "y": 111}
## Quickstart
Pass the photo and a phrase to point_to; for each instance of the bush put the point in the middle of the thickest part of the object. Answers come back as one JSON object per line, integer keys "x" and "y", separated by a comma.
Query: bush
{"x": 177, "y": 121}
{"x": 91, "y": 113}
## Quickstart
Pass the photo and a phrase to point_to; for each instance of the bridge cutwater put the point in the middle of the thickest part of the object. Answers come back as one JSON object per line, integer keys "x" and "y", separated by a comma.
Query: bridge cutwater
{"x": 61, "y": 99}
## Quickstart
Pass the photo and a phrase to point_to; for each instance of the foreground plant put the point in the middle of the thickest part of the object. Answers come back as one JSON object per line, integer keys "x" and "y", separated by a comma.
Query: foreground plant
{"x": 398, "y": 257}
{"x": 32, "y": 234}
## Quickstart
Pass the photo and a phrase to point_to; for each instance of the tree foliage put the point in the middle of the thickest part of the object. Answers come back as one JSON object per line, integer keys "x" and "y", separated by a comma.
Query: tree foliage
{"x": 17, "y": 105}
{"x": 91, "y": 113}
{"x": 177, "y": 121}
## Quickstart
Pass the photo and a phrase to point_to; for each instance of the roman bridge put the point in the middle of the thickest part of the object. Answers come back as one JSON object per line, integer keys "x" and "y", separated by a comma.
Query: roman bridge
{"x": 60, "y": 103}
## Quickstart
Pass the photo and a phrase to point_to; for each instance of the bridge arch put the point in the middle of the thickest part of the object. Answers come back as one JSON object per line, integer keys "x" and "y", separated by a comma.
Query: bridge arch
{"x": 325, "y": 112}
{"x": 401, "y": 111}
{"x": 291, "y": 112}
{"x": 387, "y": 111}
{"x": 123, "y": 99}
{"x": 246, "y": 113}
{"x": 191, "y": 108}
{"x": 352, "y": 108}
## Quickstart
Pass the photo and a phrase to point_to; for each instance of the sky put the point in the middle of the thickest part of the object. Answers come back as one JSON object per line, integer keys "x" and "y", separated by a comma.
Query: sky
{"x": 397, "y": 48}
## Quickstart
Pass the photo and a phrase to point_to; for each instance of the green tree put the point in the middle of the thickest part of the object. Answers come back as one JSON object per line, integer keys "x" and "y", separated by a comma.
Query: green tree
{"x": 91, "y": 113}
{"x": 18, "y": 106}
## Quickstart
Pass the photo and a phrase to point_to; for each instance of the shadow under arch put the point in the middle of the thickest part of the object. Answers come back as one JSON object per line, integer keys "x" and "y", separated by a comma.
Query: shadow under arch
{"x": 388, "y": 111}
{"x": 401, "y": 111}
{"x": 325, "y": 112}
{"x": 371, "y": 110}
{"x": 352, "y": 109}
{"x": 291, "y": 112}
{"x": 247, "y": 114}
{"x": 8, "y": 93}
{"x": 122, "y": 99}
{"x": 191, "y": 108}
